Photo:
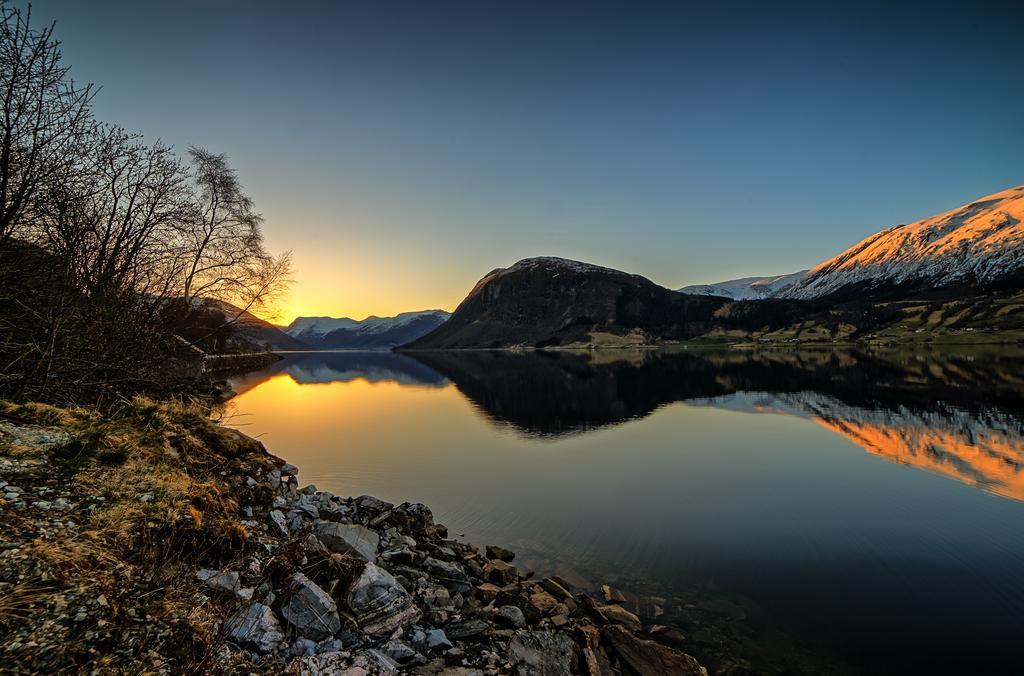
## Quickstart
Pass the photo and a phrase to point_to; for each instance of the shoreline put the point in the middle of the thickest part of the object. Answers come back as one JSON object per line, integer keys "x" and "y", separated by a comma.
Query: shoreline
{"x": 217, "y": 550}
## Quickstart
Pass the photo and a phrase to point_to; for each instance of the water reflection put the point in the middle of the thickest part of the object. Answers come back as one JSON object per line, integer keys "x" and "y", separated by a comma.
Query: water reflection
{"x": 956, "y": 414}
{"x": 703, "y": 480}
{"x": 953, "y": 413}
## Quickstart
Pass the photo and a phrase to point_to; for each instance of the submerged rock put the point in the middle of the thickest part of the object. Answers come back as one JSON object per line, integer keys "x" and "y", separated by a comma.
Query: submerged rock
{"x": 379, "y": 603}
{"x": 310, "y": 609}
{"x": 619, "y": 615}
{"x": 649, "y": 658}
{"x": 256, "y": 627}
{"x": 499, "y": 553}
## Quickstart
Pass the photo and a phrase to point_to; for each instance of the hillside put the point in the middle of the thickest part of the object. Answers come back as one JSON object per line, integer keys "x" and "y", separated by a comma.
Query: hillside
{"x": 261, "y": 333}
{"x": 545, "y": 302}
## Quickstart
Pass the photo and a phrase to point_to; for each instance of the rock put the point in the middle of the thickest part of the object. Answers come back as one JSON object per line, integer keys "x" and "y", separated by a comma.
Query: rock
{"x": 612, "y": 595}
{"x": 310, "y": 609}
{"x": 308, "y": 504}
{"x": 398, "y": 651}
{"x": 363, "y": 663}
{"x": 541, "y": 652}
{"x": 487, "y": 591}
{"x": 412, "y": 517}
{"x": 499, "y": 553}
{"x": 649, "y": 658}
{"x": 447, "y": 573}
{"x": 255, "y": 626}
{"x": 557, "y": 587}
{"x": 303, "y": 647}
{"x": 500, "y": 573}
{"x": 370, "y": 504}
{"x": 467, "y": 628}
{"x": 379, "y": 603}
{"x": 510, "y": 616}
{"x": 278, "y": 525}
{"x": 288, "y": 469}
{"x": 224, "y": 582}
{"x": 330, "y": 645}
{"x": 620, "y": 615}
{"x": 436, "y": 640}
{"x": 543, "y": 602}
{"x": 345, "y": 538}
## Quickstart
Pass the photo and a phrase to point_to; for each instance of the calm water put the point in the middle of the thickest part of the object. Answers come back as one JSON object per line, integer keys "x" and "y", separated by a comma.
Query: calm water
{"x": 810, "y": 511}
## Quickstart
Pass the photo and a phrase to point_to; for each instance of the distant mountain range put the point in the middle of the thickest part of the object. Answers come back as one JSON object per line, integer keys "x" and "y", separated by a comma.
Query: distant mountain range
{"x": 747, "y": 288}
{"x": 941, "y": 277}
{"x": 329, "y": 333}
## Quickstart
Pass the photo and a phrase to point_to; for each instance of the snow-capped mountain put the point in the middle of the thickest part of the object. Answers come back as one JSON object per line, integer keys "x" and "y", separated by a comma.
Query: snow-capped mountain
{"x": 747, "y": 288}
{"x": 318, "y": 326}
{"x": 977, "y": 243}
{"x": 370, "y": 333}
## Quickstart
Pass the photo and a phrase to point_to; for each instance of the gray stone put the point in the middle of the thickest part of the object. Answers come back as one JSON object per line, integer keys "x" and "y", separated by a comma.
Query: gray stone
{"x": 398, "y": 651}
{"x": 310, "y": 610}
{"x": 436, "y": 640}
{"x": 256, "y": 627}
{"x": 510, "y": 616}
{"x": 447, "y": 573}
{"x": 540, "y": 652}
{"x": 379, "y": 603}
{"x": 467, "y": 628}
{"x": 289, "y": 469}
{"x": 303, "y": 647}
{"x": 278, "y": 526}
{"x": 345, "y": 538}
{"x": 330, "y": 645}
{"x": 368, "y": 503}
{"x": 224, "y": 582}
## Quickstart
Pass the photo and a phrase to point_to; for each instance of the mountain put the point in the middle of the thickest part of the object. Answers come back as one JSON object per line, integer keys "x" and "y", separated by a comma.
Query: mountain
{"x": 328, "y": 333}
{"x": 747, "y": 288}
{"x": 541, "y": 302}
{"x": 976, "y": 245}
{"x": 973, "y": 248}
{"x": 251, "y": 328}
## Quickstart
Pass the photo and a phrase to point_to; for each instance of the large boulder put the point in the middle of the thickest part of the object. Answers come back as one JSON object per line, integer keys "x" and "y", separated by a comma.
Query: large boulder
{"x": 310, "y": 609}
{"x": 648, "y": 658}
{"x": 379, "y": 602}
{"x": 348, "y": 538}
{"x": 255, "y": 626}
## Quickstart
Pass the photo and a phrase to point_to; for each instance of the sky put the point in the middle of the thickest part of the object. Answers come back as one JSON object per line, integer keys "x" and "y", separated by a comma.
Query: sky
{"x": 403, "y": 150}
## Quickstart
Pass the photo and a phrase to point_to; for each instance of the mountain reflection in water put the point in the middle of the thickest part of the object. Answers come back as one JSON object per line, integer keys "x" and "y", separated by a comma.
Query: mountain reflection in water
{"x": 960, "y": 415}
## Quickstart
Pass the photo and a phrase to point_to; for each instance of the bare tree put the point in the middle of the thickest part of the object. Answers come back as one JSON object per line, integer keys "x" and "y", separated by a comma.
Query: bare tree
{"x": 44, "y": 115}
{"x": 223, "y": 257}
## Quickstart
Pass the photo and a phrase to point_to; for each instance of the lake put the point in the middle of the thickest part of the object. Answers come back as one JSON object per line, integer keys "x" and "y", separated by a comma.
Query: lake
{"x": 800, "y": 511}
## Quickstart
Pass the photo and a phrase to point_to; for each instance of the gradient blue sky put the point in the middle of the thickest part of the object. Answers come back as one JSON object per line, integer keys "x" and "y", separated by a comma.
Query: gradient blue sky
{"x": 402, "y": 150}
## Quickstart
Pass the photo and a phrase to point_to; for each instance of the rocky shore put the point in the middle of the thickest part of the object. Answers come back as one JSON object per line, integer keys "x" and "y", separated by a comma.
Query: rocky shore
{"x": 174, "y": 550}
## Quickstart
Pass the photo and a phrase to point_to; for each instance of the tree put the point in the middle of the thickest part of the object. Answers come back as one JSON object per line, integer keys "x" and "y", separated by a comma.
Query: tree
{"x": 223, "y": 257}
{"x": 44, "y": 116}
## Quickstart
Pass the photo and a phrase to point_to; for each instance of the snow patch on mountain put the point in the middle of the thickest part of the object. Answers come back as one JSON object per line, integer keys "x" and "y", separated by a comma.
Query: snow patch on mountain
{"x": 747, "y": 288}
